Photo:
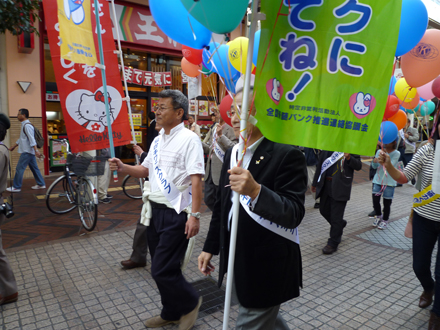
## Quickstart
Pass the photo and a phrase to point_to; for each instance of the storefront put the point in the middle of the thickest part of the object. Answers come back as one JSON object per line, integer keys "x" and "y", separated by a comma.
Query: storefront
{"x": 151, "y": 64}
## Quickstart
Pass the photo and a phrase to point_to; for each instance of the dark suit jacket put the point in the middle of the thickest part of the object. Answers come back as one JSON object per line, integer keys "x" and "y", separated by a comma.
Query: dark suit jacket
{"x": 268, "y": 268}
{"x": 342, "y": 180}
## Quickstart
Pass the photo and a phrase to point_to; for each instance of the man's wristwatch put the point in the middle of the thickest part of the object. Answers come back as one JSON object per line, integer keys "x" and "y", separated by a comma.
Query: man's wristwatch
{"x": 196, "y": 215}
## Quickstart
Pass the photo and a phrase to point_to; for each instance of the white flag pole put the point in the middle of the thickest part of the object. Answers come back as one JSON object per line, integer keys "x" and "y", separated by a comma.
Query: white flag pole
{"x": 236, "y": 197}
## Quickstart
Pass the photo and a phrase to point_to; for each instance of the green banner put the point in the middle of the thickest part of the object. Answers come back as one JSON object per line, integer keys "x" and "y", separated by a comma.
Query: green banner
{"x": 324, "y": 70}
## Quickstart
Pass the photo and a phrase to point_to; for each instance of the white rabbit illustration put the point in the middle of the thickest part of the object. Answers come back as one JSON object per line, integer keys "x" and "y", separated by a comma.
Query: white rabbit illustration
{"x": 276, "y": 95}
{"x": 362, "y": 105}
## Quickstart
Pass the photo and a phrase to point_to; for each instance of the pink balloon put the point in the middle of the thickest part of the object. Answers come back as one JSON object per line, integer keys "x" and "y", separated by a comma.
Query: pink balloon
{"x": 436, "y": 87}
{"x": 425, "y": 91}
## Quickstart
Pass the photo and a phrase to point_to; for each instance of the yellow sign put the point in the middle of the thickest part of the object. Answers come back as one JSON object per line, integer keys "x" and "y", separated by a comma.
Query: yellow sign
{"x": 138, "y": 136}
{"x": 137, "y": 119}
{"x": 75, "y": 23}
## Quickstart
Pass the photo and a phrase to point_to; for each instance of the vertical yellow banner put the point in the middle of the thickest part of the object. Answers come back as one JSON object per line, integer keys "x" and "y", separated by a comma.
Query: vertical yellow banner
{"x": 75, "y": 22}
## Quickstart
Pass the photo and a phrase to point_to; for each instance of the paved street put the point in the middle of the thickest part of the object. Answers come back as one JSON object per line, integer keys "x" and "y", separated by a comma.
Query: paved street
{"x": 77, "y": 282}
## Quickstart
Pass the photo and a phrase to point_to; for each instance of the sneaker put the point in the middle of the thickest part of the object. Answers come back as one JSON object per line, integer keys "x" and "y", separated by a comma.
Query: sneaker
{"x": 12, "y": 189}
{"x": 38, "y": 187}
{"x": 105, "y": 200}
{"x": 372, "y": 214}
{"x": 109, "y": 196}
{"x": 377, "y": 221}
{"x": 383, "y": 224}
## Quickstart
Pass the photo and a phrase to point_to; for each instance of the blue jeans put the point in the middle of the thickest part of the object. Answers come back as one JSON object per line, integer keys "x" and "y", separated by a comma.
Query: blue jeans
{"x": 25, "y": 160}
{"x": 425, "y": 234}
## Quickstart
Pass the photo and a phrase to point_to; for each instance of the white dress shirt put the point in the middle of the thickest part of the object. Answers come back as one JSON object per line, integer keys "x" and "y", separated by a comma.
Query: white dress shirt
{"x": 180, "y": 156}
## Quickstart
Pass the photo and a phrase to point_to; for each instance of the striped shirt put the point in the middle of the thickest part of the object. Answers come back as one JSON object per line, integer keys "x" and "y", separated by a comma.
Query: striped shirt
{"x": 423, "y": 161}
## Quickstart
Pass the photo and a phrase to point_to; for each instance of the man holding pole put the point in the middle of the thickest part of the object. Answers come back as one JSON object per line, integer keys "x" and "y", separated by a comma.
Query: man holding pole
{"x": 272, "y": 183}
{"x": 171, "y": 209}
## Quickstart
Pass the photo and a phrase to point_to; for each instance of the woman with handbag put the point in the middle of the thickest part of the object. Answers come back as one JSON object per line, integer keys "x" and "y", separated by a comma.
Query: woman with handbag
{"x": 426, "y": 221}
{"x": 8, "y": 286}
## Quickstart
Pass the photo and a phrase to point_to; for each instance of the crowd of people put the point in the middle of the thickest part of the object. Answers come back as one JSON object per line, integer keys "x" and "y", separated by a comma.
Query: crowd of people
{"x": 272, "y": 180}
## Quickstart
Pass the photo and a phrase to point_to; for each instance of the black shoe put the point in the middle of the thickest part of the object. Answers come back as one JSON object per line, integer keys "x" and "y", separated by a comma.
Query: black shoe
{"x": 328, "y": 249}
{"x": 316, "y": 206}
{"x": 105, "y": 201}
{"x": 109, "y": 196}
{"x": 372, "y": 214}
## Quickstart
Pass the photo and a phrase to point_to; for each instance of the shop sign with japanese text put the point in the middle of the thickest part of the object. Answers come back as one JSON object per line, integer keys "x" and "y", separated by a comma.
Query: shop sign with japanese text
{"x": 137, "y": 25}
{"x": 80, "y": 88}
{"x": 323, "y": 71}
{"x": 147, "y": 78}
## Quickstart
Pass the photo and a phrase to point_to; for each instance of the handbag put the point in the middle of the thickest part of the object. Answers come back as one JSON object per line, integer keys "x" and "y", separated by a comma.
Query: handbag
{"x": 409, "y": 226}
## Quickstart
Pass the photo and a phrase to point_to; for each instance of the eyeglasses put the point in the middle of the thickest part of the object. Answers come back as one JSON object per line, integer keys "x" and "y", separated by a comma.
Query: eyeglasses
{"x": 232, "y": 113}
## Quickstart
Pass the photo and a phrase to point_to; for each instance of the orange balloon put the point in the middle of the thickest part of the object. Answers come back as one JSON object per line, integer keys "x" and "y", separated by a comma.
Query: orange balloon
{"x": 422, "y": 63}
{"x": 412, "y": 104}
{"x": 191, "y": 70}
{"x": 399, "y": 119}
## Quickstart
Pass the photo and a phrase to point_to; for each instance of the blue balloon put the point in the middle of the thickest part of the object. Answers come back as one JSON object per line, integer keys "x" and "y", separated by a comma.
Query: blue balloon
{"x": 221, "y": 63}
{"x": 393, "y": 82}
{"x": 413, "y": 24}
{"x": 207, "y": 55}
{"x": 388, "y": 132}
{"x": 175, "y": 21}
{"x": 256, "y": 47}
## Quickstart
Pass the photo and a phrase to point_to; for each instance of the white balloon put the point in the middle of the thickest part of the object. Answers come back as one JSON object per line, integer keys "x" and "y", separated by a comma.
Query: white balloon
{"x": 240, "y": 83}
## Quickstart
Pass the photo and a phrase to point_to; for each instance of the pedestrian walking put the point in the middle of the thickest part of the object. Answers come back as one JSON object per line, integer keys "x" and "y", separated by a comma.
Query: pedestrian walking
{"x": 383, "y": 185}
{"x": 171, "y": 208}
{"x": 8, "y": 285}
{"x": 27, "y": 147}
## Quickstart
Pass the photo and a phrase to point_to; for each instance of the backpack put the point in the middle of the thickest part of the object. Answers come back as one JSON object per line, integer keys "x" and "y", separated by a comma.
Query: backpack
{"x": 37, "y": 135}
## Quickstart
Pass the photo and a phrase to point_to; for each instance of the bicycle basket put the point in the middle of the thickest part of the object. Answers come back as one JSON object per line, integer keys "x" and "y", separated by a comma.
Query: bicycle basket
{"x": 85, "y": 165}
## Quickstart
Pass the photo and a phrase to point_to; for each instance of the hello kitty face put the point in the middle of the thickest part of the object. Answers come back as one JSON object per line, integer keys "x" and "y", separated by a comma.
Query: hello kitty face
{"x": 92, "y": 109}
{"x": 362, "y": 105}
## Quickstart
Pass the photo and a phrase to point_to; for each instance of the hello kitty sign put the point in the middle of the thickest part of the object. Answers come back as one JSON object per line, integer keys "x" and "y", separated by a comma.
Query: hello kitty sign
{"x": 81, "y": 92}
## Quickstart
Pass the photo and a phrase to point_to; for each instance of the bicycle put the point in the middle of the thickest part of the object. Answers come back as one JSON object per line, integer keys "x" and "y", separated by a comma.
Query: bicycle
{"x": 72, "y": 190}
{"x": 131, "y": 187}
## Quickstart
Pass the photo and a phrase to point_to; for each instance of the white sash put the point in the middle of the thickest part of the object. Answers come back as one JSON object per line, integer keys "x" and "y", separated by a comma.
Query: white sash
{"x": 179, "y": 200}
{"x": 436, "y": 173}
{"x": 402, "y": 136}
{"x": 329, "y": 162}
{"x": 218, "y": 151}
{"x": 290, "y": 234}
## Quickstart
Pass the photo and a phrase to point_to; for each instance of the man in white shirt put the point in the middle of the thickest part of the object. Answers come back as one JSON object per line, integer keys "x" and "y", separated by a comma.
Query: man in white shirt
{"x": 174, "y": 165}
{"x": 27, "y": 147}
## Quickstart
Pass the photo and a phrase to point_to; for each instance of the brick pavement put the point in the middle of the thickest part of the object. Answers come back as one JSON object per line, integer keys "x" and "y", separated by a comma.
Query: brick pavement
{"x": 368, "y": 283}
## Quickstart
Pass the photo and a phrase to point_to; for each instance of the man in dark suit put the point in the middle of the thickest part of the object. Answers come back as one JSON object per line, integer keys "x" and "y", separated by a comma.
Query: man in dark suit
{"x": 333, "y": 185}
{"x": 268, "y": 268}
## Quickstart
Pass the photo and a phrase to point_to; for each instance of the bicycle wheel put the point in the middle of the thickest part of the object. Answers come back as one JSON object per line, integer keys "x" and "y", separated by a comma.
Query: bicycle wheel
{"x": 87, "y": 208}
{"x": 60, "y": 198}
{"x": 131, "y": 187}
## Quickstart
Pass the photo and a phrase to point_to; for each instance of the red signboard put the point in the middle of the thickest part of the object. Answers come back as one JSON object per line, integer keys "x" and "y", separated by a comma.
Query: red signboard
{"x": 81, "y": 91}
{"x": 137, "y": 25}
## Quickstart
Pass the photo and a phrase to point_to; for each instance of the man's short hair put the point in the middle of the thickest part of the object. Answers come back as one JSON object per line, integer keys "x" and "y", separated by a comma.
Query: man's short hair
{"x": 179, "y": 100}
{"x": 2, "y": 132}
{"x": 24, "y": 112}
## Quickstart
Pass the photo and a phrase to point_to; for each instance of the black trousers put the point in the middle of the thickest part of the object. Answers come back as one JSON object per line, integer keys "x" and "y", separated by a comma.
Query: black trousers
{"x": 167, "y": 243}
{"x": 210, "y": 192}
{"x": 333, "y": 211}
{"x": 140, "y": 245}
